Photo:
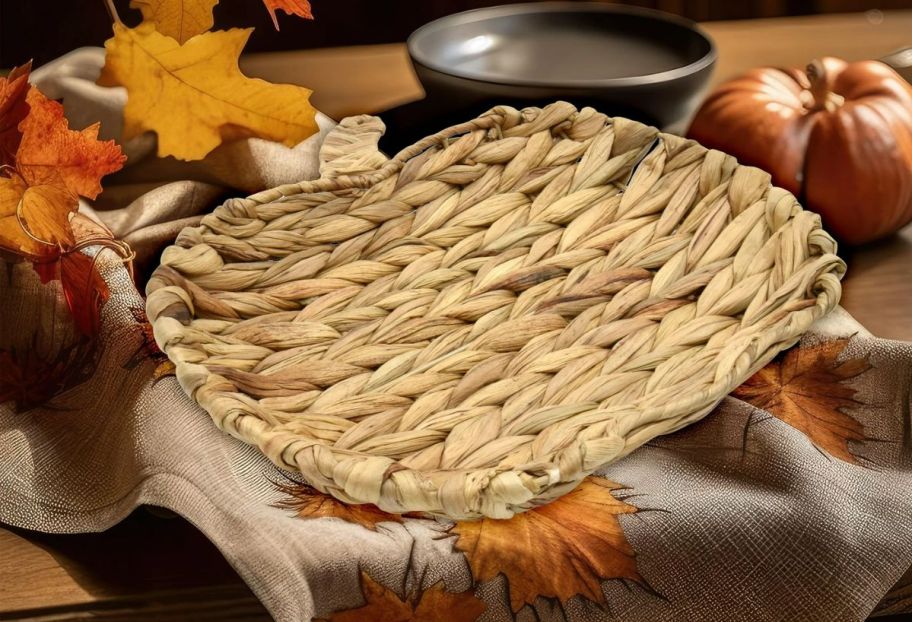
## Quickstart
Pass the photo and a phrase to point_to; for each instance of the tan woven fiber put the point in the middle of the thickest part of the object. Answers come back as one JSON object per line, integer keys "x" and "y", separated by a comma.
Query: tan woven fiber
{"x": 470, "y": 328}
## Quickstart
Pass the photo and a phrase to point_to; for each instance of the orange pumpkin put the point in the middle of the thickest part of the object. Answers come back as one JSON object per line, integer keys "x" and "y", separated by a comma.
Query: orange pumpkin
{"x": 838, "y": 136}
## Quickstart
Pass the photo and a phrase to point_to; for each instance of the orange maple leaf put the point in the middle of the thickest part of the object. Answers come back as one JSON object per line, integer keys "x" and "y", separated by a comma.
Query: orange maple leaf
{"x": 13, "y": 109}
{"x": 53, "y": 165}
{"x": 308, "y": 502}
{"x": 559, "y": 550}
{"x": 301, "y": 8}
{"x": 39, "y": 197}
{"x": 430, "y": 605}
{"x": 50, "y": 152}
{"x": 34, "y": 220}
{"x": 807, "y": 388}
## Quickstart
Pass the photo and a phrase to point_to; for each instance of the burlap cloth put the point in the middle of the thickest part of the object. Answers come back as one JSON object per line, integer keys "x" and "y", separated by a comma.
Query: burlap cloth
{"x": 741, "y": 516}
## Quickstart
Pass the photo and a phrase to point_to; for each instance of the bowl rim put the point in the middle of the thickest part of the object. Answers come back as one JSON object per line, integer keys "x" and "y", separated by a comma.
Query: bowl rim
{"x": 481, "y": 14}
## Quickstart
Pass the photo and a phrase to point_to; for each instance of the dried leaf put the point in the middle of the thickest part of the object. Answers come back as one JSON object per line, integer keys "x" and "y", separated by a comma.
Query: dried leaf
{"x": 807, "y": 389}
{"x": 178, "y": 19}
{"x": 559, "y": 550}
{"x": 308, "y": 502}
{"x": 301, "y": 8}
{"x": 52, "y": 154}
{"x": 53, "y": 164}
{"x": 34, "y": 221}
{"x": 195, "y": 96}
{"x": 39, "y": 196}
{"x": 13, "y": 109}
{"x": 431, "y": 605}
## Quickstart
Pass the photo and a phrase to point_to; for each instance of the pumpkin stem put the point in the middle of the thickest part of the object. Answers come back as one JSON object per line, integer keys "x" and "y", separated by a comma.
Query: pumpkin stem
{"x": 823, "y": 98}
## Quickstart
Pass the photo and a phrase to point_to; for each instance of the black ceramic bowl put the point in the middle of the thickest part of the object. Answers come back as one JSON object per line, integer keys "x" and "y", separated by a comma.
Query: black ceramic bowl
{"x": 625, "y": 61}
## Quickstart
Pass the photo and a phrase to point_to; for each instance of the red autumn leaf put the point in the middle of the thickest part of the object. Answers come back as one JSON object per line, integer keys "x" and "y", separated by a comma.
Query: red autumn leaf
{"x": 301, "y": 8}
{"x": 51, "y": 153}
{"x": 431, "y": 605}
{"x": 559, "y": 550}
{"x": 807, "y": 388}
{"x": 13, "y": 109}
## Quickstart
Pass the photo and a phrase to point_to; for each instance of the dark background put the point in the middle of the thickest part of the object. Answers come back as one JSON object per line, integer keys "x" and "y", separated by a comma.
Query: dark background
{"x": 45, "y": 29}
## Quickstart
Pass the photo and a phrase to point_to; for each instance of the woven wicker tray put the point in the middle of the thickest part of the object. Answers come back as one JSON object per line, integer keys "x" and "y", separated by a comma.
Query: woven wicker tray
{"x": 472, "y": 327}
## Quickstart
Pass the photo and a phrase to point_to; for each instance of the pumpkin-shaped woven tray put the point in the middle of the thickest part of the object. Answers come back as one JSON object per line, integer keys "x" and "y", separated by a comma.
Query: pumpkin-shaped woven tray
{"x": 471, "y": 327}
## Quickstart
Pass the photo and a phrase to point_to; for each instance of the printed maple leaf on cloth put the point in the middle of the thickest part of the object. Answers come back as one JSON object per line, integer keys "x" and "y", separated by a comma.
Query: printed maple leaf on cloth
{"x": 308, "y": 502}
{"x": 30, "y": 378}
{"x": 807, "y": 388}
{"x": 148, "y": 350}
{"x": 430, "y": 605}
{"x": 559, "y": 550}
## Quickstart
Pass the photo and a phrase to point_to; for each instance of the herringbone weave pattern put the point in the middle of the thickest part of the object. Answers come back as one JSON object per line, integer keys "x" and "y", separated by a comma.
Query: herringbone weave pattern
{"x": 472, "y": 327}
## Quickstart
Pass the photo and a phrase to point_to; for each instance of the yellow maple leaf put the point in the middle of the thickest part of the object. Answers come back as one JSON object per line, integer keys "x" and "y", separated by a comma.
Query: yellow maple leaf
{"x": 179, "y": 19}
{"x": 559, "y": 550}
{"x": 194, "y": 96}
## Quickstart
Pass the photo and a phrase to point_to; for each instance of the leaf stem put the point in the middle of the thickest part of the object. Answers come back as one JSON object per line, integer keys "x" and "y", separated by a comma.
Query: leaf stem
{"x": 112, "y": 11}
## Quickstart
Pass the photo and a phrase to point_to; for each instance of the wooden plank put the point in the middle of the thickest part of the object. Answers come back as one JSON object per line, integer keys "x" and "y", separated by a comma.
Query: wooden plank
{"x": 794, "y": 42}
{"x": 345, "y": 81}
{"x": 372, "y": 78}
{"x": 163, "y": 568}
{"x": 877, "y": 289}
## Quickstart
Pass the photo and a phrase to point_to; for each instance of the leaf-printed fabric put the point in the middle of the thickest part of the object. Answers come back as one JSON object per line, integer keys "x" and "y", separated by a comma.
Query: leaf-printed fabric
{"x": 742, "y": 516}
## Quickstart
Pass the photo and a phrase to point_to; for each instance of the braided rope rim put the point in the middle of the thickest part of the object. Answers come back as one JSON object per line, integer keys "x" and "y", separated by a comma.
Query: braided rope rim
{"x": 476, "y": 324}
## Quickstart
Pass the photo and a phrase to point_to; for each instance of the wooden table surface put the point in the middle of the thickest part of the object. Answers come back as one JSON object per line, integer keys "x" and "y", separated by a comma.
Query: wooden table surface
{"x": 159, "y": 569}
